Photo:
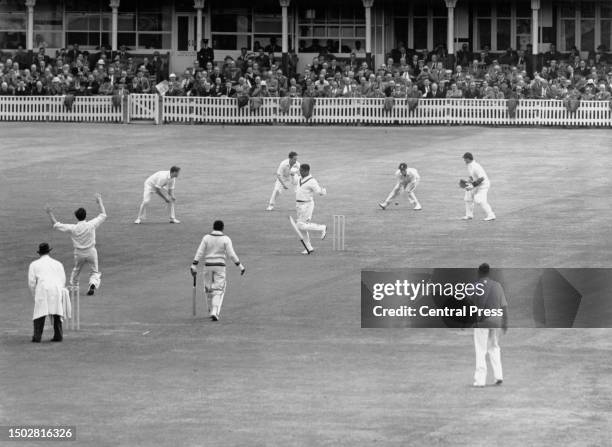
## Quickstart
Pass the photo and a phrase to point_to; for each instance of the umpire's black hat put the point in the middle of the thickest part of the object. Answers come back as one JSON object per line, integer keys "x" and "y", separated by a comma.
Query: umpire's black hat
{"x": 44, "y": 249}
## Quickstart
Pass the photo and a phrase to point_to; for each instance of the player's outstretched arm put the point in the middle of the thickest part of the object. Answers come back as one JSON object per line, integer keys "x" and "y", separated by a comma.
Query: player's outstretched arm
{"x": 49, "y": 211}
{"x": 100, "y": 203}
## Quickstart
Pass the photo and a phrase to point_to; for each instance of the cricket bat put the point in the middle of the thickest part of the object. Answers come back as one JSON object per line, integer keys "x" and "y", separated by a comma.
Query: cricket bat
{"x": 194, "y": 293}
{"x": 299, "y": 233}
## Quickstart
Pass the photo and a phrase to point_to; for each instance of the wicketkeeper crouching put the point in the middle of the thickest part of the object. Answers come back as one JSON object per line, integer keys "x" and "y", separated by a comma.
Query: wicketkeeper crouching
{"x": 215, "y": 247}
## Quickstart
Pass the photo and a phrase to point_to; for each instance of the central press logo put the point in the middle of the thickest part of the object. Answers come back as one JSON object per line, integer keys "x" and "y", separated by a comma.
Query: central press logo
{"x": 486, "y": 297}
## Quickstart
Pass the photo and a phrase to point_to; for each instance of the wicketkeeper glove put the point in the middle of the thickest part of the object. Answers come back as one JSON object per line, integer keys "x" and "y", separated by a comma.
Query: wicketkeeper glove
{"x": 242, "y": 269}
{"x": 463, "y": 183}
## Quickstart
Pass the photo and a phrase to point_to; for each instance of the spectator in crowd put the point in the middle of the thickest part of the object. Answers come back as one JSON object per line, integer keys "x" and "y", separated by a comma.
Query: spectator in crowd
{"x": 156, "y": 67}
{"x": 601, "y": 56}
{"x": 552, "y": 53}
{"x": 21, "y": 58}
{"x": 464, "y": 55}
{"x": 73, "y": 52}
{"x": 206, "y": 53}
{"x": 273, "y": 47}
{"x": 405, "y": 74}
{"x": 454, "y": 91}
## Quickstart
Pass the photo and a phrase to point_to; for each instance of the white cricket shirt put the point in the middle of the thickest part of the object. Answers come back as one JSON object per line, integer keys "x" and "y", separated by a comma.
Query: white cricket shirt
{"x": 411, "y": 176}
{"x": 476, "y": 171}
{"x": 83, "y": 233}
{"x": 161, "y": 179}
{"x": 286, "y": 172}
{"x": 307, "y": 187}
{"x": 214, "y": 248}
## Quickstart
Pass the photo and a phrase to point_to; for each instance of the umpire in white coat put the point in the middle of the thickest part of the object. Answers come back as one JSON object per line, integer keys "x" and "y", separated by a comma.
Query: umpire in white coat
{"x": 47, "y": 281}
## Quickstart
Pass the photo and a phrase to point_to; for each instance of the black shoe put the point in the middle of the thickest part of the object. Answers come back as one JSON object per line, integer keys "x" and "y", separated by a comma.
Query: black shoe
{"x": 56, "y": 339}
{"x": 499, "y": 382}
{"x": 91, "y": 290}
{"x": 35, "y": 340}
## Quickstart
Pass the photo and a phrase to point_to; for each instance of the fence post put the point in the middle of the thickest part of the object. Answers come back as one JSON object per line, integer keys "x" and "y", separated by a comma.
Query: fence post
{"x": 159, "y": 111}
{"x": 446, "y": 107}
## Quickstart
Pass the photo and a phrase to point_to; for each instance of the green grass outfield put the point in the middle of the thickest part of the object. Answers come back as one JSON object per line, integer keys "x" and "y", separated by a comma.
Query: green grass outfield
{"x": 288, "y": 364}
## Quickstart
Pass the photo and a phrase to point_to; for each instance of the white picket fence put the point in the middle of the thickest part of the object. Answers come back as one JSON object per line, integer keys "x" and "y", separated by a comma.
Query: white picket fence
{"x": 143, "y": 107}
{"x": 529, "y": 112}
{"x": 56, "y": 108}
{"x": 153, "y": 108}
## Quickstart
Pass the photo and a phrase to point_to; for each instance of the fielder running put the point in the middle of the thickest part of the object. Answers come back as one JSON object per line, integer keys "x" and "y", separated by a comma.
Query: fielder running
{"x": 83, "y": 235}
{"x": 286, "y": 175}
{"x": 304, "y": 198}
{"x": 214, "y": 248}
{"x": 407, "y": 181}
{"x": 476, "y": 189}
{"x": 161, "y": 183}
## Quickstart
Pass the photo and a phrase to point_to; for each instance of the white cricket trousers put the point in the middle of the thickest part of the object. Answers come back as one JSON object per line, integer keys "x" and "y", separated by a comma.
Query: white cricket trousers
{"x": 477, "y": 195}
{"x": 278, "y": 189}
{"x": 148, "y": 193}
{"x": 486, "y": 341}
{"x": 409, "y": 190}
{"x": 214, "y": 287}
{"x": 304, "y": 214}
{"x": 81, "y": 257}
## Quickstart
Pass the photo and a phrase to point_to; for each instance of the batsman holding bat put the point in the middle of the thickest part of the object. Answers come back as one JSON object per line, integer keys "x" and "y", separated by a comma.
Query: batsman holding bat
{"x": 476, "y": 189}
{"x": 161, "y": 183}
{"x": 214, "y": 248}
{"x": 304, "y": 206}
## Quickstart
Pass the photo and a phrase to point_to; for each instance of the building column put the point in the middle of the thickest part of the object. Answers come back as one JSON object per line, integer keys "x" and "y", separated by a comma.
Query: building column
{"x": 450, "y": 33}
{"x": 30, "y": 31}
{"x": 114, "y": 4}
{"x": 208, "y": 25}
{"x": 367, "y": 4}
{"x": 285, "y": 37}
{"x": 198, "y": 5}
{"x": 535, "y": 7}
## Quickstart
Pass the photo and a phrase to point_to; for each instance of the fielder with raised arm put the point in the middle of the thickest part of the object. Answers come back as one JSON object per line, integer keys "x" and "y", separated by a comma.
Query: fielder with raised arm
{"x": 83, "y": 235}
{"x": 304, "y": 203}
{"x": 476, "y": 189}
{"x": 407, "y": 181}
{"x": 286, "y": 176}
{"x": 214, "y": 248}
{"x": 161, "y": 183}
